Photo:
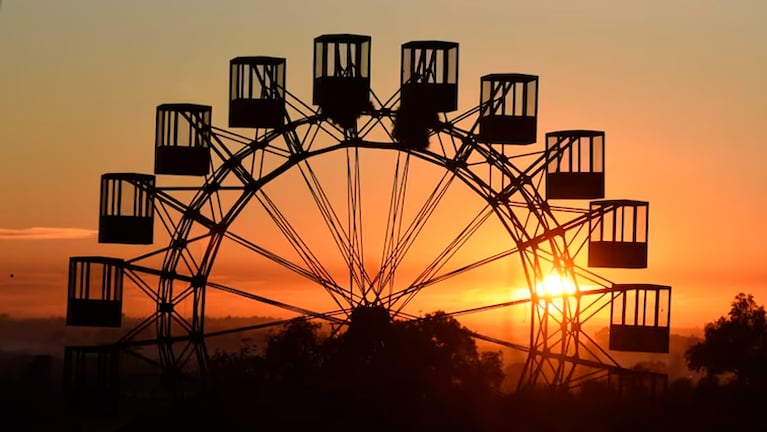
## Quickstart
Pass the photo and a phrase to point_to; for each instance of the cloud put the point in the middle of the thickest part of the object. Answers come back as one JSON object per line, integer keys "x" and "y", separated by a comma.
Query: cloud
{"x": 46, "y": 233}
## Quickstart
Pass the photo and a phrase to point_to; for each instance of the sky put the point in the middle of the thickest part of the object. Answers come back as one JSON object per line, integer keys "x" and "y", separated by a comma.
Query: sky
{"x": 677, "y": 86}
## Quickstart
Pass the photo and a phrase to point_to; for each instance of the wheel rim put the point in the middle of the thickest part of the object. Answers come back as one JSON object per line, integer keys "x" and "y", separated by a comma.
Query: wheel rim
{"x": 527, "y": 235}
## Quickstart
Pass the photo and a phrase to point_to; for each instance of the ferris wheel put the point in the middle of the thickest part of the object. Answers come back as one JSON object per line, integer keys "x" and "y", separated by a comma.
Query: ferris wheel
{"x": 313, "y": 211}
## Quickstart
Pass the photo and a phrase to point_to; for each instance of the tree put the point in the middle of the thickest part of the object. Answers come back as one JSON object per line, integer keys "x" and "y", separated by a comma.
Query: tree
{"x": 422, "y": 374}
{"x": 424, "y": 358}
{"x": 291, "y": 354}
{"x": 735, "y": 344}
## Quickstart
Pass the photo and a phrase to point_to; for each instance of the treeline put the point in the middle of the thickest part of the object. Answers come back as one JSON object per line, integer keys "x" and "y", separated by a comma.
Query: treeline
{"x": 428, "y": 375}
{"x": 422, "y": 375}
{"x": 49, "y": 336}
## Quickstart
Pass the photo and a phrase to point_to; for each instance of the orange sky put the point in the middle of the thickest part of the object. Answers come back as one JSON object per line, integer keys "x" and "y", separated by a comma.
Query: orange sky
{"x": 677, "y": 86}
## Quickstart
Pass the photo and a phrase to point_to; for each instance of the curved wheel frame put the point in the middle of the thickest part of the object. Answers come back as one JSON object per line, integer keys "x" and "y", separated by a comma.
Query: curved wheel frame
{"x": 559, "y": 352}
{"x": 200, "y": 216}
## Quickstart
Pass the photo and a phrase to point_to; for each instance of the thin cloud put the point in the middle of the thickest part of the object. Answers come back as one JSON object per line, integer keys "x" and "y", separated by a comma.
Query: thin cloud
{"x": 46, "y": 233}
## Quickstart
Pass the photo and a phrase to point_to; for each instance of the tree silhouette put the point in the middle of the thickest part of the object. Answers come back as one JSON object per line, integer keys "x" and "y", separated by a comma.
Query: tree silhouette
{"x": 291, "y": 355}
{"x": 734, "y": 345}
{"x": 423, "y": 374}
{"x": 413, "y": 124}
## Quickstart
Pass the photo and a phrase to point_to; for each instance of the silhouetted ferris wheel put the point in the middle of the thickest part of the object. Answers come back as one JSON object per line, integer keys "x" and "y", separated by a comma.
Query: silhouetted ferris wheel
{"x": 367, "y": 202}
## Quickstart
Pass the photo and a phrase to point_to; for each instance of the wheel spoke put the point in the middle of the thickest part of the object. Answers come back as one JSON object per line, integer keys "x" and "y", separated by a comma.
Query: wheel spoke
{"x": 277, "y": 323}
{"x": 405, "y": 241}
{"x": 489, "y": 307}
{"x": 329, "y": 285}
{"x": 427, "y": 277}
{"x": 140, "y": 283}
{"x": 440, "y": 278}
{"x": 500, "y": 342}
{"x": 341, "y": 237}
{"x": 395, "y": 219}
{"x": 477, "y": 335}
{"x": 271, "y": 302}
{"x": 357, "y": 271}
{"x": 319, "y": 272}
{"x": 135, "y": 331}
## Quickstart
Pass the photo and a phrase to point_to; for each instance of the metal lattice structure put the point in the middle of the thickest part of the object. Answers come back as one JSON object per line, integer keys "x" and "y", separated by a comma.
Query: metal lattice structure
{"x": 370, "y": 202}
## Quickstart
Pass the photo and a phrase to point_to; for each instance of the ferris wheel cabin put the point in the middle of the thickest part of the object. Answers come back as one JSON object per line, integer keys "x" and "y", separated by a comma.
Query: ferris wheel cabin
{"x": 508, "y": 109}
{"x": 429, "y": 79}
{"x": 95, "y": 292}
{"x": 342, "y": 76}
{"x": 257, "y": 92}
{"x": 618, "y": 234}
{"x": 182, "y": 139}
{"x": 91, "y": 379}
{"x": 576, "y": 161}
{"x": 640, "y": 318}
{"x": 126, "y": 209}
{"x": 626, "y": 382}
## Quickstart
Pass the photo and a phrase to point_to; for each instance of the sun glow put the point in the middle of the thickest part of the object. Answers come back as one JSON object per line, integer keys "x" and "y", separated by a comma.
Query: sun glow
{"x": 555, "y": 285}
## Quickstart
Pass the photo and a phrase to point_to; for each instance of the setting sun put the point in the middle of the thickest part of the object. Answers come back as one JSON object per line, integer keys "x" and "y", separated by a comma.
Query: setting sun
{"x": 555, "y": 285}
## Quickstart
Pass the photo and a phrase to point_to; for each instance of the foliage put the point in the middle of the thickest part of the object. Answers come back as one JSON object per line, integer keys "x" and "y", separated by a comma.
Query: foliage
{"x": 736, "y": 345}
{"x": 413, "y": 124}
{"x": 425, "y": 372}
{"x": 291, "y": 354}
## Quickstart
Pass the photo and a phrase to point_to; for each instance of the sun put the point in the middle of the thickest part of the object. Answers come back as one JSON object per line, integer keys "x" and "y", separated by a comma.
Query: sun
{"x": 555, "y": 285}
